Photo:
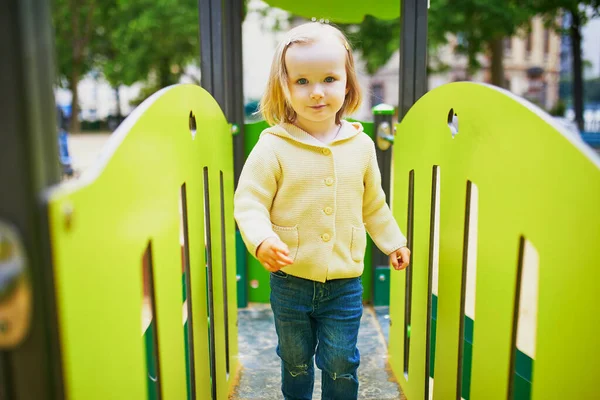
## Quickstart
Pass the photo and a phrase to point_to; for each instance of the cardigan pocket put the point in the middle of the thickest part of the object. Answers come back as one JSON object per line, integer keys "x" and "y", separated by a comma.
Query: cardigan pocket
{"x": 289, "y": 236}
{"x": 358, "y": 244}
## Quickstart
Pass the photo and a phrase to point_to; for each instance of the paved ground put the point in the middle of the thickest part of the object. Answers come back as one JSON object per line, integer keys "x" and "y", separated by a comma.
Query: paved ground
{"x": 260, "y": 376}
{"x": 85, "y": 148}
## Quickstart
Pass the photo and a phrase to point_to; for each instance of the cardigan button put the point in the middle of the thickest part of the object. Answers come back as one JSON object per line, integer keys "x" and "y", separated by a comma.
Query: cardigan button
{"x": 326, "y": 237}
{"x": 328, "y": 210}
{"x": 329, "y": 181}
{"x": 325, "y": 151}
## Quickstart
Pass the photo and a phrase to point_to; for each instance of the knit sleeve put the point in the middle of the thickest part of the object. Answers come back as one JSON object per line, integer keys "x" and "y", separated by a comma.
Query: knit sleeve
{"x": 380, "y": 222}
{"x": 254, "y": 195}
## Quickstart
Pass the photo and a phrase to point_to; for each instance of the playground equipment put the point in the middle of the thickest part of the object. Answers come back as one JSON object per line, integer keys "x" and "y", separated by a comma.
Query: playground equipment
{"x": 124, "y": 282}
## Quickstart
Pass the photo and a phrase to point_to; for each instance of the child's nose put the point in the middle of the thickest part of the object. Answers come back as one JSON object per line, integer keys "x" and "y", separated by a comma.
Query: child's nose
{"x": 317, "y": 93}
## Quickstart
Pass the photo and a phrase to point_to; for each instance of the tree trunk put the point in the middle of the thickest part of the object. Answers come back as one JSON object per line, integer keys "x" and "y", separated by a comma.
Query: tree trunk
{"x": 75, "y": 125}
{"x": 165, "y": 76}
{"x": 118, "y": 100}
{"x": 496, "y": 47}
{"x": 575, "y": 33}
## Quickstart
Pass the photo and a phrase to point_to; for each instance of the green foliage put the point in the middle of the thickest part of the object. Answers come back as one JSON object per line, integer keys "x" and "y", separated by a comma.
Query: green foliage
{"x": 375, "y": 39}
{"x": 555, "y": 8}
{"x": 129, "y": 41}
{"x": 477, "y": 23}
{"x": 153, "y": 40}
{"x": 74, "y": 23}
{"x": 558, "y": 109}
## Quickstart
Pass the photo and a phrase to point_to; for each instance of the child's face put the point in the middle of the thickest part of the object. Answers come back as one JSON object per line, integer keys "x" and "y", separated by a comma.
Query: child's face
{"x": 317, "y": 81}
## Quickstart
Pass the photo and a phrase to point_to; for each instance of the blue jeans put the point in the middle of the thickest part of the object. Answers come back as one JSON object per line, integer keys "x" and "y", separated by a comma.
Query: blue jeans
{"x": 322, "y": 319}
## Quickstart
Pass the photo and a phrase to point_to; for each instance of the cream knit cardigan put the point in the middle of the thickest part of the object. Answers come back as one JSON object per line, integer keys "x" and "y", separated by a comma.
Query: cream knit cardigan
{"x": 317, "y": 198}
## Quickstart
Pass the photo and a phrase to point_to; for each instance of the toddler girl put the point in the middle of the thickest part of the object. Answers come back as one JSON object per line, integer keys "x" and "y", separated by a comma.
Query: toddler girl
{"x": 308, "y": 193}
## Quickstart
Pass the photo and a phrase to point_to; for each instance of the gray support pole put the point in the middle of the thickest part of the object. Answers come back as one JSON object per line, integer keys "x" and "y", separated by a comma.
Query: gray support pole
{"x": 237, "y": 85}
{"x": 413, "y": 54}
{"x": 228, "y": 55}
{"x": 222, "y": 65}
{"x": 212, "y": 50}
{"x": 421, "y": 50}
{"x": 204, "y": 30}
{"x": 29, "y": 164}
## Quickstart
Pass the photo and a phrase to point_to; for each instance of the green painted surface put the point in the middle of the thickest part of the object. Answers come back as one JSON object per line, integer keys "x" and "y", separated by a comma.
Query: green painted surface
{"x": 258, "y": 277}
{"x": 367, "y": 276}
{"x": 241, "y": 260}
{"x": 383, "y": 109}
{"x": 534, "y": 181}
{"x": 151, "y": 371}
{"x": 129, "y": 198}
{"x": 381, "y": 295}
{"x": 252, "y": 133}
{"x": 524, "y": 367}
{"x": 340, "y": 11}
{"x": 467, "y": 364}
{"x": 188, "y": 377}
{"x": 522, "y": 388}
{"x": 186, "y": 341}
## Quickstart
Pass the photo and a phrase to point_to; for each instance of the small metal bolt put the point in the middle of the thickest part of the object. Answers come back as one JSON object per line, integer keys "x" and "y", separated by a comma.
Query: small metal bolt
{"x": 235, "y": 129}
{"x": 453, "y": 122}
{"x": 382, "y": 277}
{"x": 238, "y": 278}
{"x": 68, "y": 210}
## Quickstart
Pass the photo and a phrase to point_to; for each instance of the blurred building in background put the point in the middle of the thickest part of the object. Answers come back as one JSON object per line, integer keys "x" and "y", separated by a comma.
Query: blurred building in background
{"x": 531, "y": 68}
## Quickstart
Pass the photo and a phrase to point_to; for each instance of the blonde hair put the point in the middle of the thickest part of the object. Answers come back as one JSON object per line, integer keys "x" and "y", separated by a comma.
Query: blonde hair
{"x": 275, "y": 105}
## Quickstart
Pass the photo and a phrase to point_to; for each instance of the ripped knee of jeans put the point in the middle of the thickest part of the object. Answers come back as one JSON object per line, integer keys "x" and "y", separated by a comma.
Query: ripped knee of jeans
{"x": 336, "y": 376}
{"x": 297, "y": 370}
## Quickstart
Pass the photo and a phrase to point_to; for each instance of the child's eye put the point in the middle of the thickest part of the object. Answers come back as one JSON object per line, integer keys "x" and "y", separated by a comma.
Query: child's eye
{"x": 330, "y": 79}
{"x": 302, "y": 81}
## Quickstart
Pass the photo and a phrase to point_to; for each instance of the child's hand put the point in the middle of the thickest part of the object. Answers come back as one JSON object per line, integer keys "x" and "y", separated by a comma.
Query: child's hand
{"x": 273, "y": 254}
{"x": 400, "y": 258}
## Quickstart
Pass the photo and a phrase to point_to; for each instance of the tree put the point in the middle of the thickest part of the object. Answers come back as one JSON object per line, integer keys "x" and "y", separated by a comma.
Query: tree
{"x": 376, "y": 40}
{"x": 481, "y": 25}
{"x": 128, "y": 41}
{"x": 152, "y": 41}
{"x": 577, "y": 13}
{"x": 74, "y": 25}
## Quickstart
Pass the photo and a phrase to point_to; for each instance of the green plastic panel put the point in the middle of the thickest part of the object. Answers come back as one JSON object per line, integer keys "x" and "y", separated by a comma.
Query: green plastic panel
{"x": 241, "y": 260}
{"x": 258, "y": 277}
{"x": 100, "y": 227}
{"x": 534, "y": 181}
{"x": 381, "y": 294}
{"x": 339, "y": 11}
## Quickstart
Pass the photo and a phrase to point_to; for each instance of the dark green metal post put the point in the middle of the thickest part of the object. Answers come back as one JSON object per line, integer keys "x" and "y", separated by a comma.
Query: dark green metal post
{"x": 384, "y": 139}
{"x": 30, "y": 366}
